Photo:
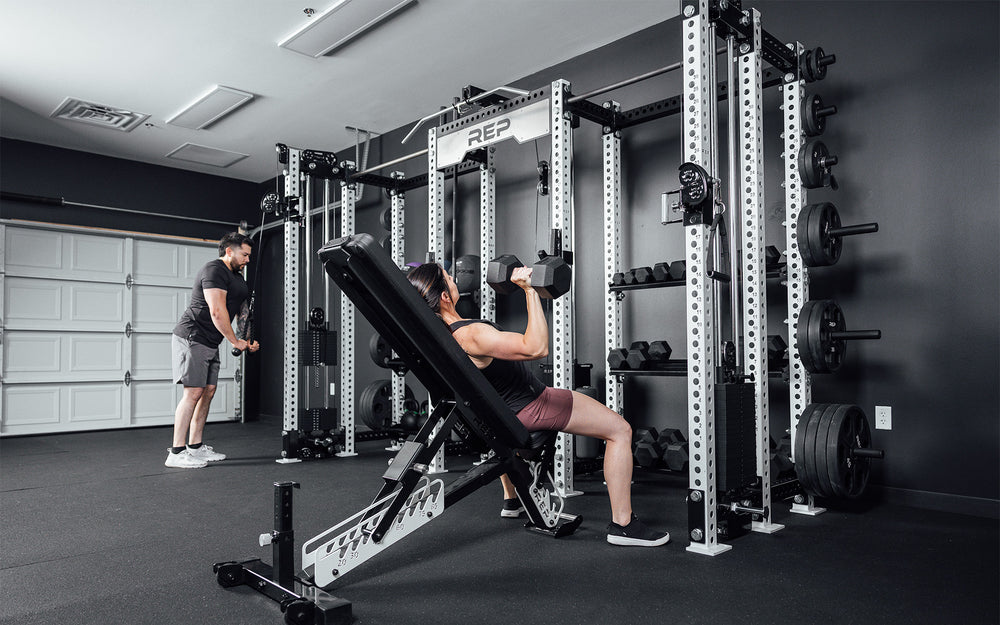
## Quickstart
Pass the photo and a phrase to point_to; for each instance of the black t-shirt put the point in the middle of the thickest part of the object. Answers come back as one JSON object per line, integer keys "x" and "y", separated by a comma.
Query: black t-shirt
{"x": 196, "y": 322}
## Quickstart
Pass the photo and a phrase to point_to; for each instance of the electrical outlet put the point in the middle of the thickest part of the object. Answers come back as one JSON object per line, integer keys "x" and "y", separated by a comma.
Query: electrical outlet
{"x": 883, "y": 417}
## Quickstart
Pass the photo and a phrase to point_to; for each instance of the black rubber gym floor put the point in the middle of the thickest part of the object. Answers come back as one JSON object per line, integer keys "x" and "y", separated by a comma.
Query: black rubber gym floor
{"x": 95, "y": 530}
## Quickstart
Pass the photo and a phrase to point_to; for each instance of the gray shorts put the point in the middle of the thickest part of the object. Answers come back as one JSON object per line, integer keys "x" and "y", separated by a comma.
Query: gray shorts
{"x": 194, "y": 364}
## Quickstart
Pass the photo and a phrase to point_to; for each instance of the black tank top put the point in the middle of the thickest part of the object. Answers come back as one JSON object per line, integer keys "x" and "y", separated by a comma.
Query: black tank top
{"x": 512, "y": 379}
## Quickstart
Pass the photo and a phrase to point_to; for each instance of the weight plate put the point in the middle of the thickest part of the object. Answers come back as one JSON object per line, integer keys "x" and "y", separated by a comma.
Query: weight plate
{"x": 823, "y": 482}
{"x": 819, "y": 352}
{"x": 809, "y": 448}
{"x": 379, "y": 351}
{"x": 808, "y": 338}
{"x": 813, "y": 124}
{"x": 802, "y": 456}
{"x": 385, "y": 218}
{"x": 848, "y": 430}
{"x": 833, "y": 350}
{"x": 374, "y": 405}
{"x": 817, "y": 247}
{"x": 810, "y": 170}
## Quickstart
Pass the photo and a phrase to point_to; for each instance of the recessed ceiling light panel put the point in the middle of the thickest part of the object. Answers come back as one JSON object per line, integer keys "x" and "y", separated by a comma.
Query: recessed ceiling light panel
{"x": 194, "y": 153}
{"x": 100, "y": 115}
{"x": 210, "y": 108}
{"x": 340, "y": 24}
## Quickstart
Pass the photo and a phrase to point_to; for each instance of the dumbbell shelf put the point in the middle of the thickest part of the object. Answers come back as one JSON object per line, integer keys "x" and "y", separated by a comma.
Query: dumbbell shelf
{"x": 646, "y": 285}
{"x": 675, "y": 367}
{"x": 775, "y": 271}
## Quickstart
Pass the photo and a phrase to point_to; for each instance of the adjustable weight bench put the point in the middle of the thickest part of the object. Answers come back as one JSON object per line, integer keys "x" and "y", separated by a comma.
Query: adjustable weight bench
{"x": 462, "y": 401}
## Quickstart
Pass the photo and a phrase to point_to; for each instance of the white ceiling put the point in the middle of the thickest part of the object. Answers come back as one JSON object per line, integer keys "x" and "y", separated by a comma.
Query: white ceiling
{"x": 157, "y": 56}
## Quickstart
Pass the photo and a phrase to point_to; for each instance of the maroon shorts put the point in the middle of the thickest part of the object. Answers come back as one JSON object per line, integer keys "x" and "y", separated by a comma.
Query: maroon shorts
{"x": 548, "y": 411}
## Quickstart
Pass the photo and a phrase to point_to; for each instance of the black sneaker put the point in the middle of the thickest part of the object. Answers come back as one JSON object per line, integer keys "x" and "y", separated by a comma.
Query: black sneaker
{"x": 636, "y": 534}
{"x": 512, "y": 509}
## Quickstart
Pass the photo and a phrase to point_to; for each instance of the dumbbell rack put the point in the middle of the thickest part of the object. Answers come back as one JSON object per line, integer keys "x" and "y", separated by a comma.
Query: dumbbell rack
{"x": 702, "y": 315}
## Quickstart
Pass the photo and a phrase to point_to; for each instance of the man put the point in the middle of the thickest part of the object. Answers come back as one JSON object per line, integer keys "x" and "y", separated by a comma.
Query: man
{"x": 219, "y": 295}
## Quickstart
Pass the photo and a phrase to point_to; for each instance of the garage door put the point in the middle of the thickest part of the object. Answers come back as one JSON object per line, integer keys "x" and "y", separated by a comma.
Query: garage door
{"x": 86, "y": 326}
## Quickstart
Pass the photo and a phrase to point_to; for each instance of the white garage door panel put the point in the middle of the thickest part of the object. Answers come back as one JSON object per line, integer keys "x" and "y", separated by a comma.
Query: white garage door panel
{"x": 97, "y": 257}
{"x": 27, "y": 301}
{"x": 96, "y": 353}
{"x": 26, "y": 407}
{"x": 222, "y": 404}
{"x": 153, "y": 403}
{"x": 151, "y": 356}
{"x": 170, "y": 264}
{"x": 64, "y": 255}
{"x": 96, "y": 405}
{"x": 52, "y": 357}
{"x": 36, "y": 304}
{"x": 157, "y": 309}
{"x": 29, "y": 353}
{"x": 32, "y": 250}
{"x": 33, "y": 408}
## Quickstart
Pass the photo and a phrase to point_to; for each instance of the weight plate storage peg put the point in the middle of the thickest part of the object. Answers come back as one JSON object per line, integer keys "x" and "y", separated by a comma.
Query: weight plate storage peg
{"x": 815, "y": 162}
{"x": 822, "y": 336}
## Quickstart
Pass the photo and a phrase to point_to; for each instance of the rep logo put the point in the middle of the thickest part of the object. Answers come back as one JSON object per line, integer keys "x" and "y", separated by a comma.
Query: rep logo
{"x": 489, "y": 132}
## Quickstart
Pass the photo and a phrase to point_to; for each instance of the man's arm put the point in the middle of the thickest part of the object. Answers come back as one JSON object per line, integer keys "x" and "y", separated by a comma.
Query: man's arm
{"x": 216, "y": 299}
{"x": 243, "y": 320}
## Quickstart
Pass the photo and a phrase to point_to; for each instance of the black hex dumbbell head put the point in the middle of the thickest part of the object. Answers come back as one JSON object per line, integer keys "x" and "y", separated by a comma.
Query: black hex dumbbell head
{"x": 643, "y": 275}
{"x": 618, "y": 358}
{"x": 661, "y": 272}
{"x": 498, "y": 273}
{"x": 551, "y": 277}
{"x": 659, "y": 350}
{"x": 638, "y": 355}
{"x": 676, "y": 456}
{"x": 678, "y": 269}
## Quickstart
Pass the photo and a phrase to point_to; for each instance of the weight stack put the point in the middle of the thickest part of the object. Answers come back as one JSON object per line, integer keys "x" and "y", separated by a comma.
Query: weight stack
{"x": 317, "y": 347}
{"x": 319, "y": 419}
{"x": 735, "y": 431}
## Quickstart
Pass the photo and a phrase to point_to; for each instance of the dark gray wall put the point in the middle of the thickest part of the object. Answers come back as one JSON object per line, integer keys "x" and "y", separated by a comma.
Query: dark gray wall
{"x": 41, "y": 170}
{"x": 916, "y": 84}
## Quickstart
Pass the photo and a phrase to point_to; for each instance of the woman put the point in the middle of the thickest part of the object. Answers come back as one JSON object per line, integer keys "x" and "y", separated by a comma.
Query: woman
{"x": 502, "y": 357}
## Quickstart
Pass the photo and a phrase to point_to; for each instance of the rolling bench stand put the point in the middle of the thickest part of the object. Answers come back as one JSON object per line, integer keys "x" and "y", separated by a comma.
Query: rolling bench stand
{"x": 463, "y": 402}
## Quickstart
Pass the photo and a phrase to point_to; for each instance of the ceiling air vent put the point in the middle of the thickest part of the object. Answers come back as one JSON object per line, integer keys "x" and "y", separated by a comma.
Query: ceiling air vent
{"x": 194, "y": 153}
{"x": 98, "y": 115}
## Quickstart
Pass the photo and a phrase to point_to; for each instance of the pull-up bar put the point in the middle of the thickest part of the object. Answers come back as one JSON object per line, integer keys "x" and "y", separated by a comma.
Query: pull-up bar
{"x": 633, "y": 80}
{"x": 396, "y": 161}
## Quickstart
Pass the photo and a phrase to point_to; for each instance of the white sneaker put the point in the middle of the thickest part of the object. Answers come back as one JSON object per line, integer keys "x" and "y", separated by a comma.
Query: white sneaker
{"x": 206, "y": 453}
{"x": 184, "y": 460}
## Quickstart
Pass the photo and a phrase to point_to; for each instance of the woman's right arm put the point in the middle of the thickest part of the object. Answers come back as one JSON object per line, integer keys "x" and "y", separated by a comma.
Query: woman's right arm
{"x": 483, "y": 340}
